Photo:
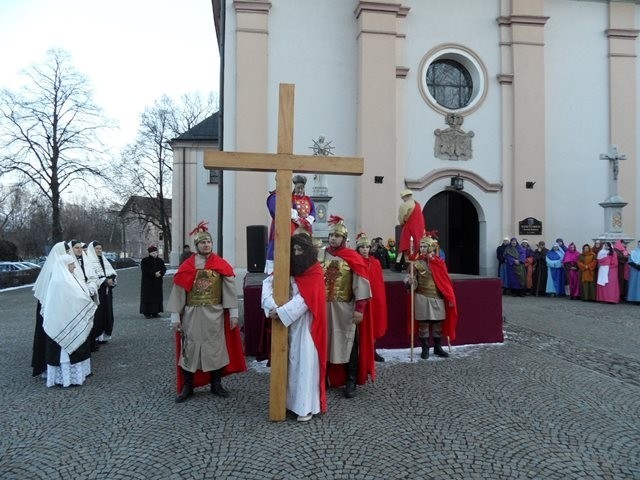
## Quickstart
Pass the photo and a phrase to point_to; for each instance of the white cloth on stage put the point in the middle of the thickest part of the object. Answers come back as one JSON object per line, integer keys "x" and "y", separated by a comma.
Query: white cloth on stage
{"x": 303, "y": 377}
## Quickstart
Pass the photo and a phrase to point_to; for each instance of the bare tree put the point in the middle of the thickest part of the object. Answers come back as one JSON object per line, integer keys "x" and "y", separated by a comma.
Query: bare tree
{"x": 146, "y": 166}
{"x": 49, "y": 131}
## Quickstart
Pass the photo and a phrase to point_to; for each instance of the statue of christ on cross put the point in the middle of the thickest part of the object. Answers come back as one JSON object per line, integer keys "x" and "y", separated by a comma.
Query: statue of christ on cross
{"x": 284, "y": 163}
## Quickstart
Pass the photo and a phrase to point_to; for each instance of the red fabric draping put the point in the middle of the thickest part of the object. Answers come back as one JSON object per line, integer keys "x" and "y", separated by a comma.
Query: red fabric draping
{"x": 353, "y": 258}
{"x": 311, "y": 285}
{"x": 186, "y": 274}
{"x": 413, "y": 227}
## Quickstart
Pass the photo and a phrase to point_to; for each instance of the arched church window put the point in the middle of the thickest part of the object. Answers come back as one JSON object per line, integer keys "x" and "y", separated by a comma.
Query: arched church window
{"x": 449, "y": 83}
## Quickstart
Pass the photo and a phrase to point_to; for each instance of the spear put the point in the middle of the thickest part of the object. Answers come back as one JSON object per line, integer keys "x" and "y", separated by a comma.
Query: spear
{"x": 412, "y": 297}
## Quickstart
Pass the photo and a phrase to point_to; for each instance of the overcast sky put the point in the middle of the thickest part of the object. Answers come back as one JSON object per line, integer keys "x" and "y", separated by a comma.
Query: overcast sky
{"x": 132, "y": 51}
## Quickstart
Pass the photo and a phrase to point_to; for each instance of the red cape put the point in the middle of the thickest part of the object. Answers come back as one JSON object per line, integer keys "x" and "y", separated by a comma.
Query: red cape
{"x": 311, "y": 285}
{"x": 186, "y": 274}
{"x": 184, "y": 277}
{"x": 445, "y": 285}
{"x": 366, "y": 363}
{"x": 353, "y": 258}
{"x": 413, "y": 227}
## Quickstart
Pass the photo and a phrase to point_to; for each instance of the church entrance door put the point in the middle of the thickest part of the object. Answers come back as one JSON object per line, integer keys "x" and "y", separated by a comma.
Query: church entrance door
{"x": 456, "y": 220}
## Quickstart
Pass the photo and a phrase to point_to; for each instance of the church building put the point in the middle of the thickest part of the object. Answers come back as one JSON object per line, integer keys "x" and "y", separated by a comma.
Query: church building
{"x": 500, "y": 116}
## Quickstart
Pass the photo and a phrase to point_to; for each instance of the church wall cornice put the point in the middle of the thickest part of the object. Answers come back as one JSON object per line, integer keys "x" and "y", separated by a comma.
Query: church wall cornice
{"x": 378, "y": 7}
{"x": 252, "y": 6}
{"x": 443, "y": 173}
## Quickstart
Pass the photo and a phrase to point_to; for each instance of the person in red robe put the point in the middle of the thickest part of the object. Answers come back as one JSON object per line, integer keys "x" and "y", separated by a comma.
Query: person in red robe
{"x": 375, "y": 313}
{"x": 348, "y": 291}
{"x": 204, "y": 308}
{"x": 436, "y": 311}
{"x": 413, "y": 226}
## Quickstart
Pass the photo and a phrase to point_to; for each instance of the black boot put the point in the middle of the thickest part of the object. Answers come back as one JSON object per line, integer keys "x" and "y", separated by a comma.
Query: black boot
{"x": 425, "y": 347}
{"x": 378, "y": 357}
{"x": 437, "y": 348}
{"x": 352, "y": 371}
{"x": 216, "y": 384}
{"x": 187, "y": 388}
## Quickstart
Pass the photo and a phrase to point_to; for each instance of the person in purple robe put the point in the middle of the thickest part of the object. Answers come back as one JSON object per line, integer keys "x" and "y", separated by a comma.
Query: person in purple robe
{"x": 555, "y": 272}
{"x": 514, "y": 257}
{"x": 570, "y": 264}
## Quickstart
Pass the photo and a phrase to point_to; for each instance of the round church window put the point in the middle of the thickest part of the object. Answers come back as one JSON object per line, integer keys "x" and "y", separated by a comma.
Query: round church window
{"x": 452, "y": 79}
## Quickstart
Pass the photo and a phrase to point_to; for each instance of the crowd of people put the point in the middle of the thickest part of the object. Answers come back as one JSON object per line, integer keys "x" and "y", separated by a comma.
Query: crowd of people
{"x": 603, "y": 272}
{"x": 74, "y": 312}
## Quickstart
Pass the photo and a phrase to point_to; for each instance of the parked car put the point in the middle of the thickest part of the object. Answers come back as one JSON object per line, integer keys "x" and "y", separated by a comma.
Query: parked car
{"x": 13, "y": 274}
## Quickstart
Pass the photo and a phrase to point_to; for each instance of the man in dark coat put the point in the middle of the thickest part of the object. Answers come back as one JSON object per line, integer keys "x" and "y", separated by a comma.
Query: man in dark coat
{"x": 153, "y": 270}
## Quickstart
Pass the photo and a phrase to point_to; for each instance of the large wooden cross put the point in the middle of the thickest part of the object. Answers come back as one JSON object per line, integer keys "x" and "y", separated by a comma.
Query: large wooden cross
{"x": 284, "y": 163}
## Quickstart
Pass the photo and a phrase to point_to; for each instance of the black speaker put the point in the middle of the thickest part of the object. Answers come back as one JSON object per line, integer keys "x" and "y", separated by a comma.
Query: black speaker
{"x": 398, "y": 234}
{"x": 256, "y": 248}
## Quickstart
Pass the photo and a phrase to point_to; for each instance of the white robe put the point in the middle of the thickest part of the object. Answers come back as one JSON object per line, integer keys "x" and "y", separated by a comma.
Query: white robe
{"x": 303, "y": 374}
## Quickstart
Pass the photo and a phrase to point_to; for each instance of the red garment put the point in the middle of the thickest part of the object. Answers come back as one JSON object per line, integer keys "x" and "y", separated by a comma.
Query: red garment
{"x": 185, "y": 277}
{"x": 366, "y": 363}
{"x": 186, "y": 274}
{"x": 374, "y": 322}
{"x": 311, "y": 285}
{"x": 445, "y": 286}
{"x": 413, "y": 227}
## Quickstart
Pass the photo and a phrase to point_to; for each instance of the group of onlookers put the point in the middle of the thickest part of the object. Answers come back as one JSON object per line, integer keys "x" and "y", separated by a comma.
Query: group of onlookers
{"x": 74, "y": 313}
{"x": 604, "y": 272}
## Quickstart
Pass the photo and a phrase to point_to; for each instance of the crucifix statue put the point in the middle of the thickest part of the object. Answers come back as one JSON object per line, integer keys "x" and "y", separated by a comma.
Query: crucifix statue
{"x": 614, "y": 157}
{"x": 284, "y": 163}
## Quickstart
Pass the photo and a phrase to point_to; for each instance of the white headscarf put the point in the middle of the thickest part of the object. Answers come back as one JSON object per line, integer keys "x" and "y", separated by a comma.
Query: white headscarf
{"x": 95, "y": 261}
{"x": 42, "y": 282}
{"x": 68, "y": 311}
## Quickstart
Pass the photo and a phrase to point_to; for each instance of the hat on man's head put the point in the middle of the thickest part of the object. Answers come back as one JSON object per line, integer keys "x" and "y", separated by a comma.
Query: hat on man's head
{"x": 200, "y": 233}
{"x": 405, "y": 193}
{"x": 362, "y": 240}
{"x": 152, "y": 248}
{"x": 337, "y": 226}
{"x": 299, "y": 179}
{"x": 429, "y": 241}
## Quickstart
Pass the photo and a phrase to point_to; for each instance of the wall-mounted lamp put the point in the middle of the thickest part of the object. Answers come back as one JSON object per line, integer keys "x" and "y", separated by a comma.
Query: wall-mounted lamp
{"x": 457, "y": 182}
{"x": 529, "y": 184}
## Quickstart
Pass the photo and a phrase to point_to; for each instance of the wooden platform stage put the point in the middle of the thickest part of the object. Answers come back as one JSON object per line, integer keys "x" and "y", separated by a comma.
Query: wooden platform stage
{"x": 479, "y": 309}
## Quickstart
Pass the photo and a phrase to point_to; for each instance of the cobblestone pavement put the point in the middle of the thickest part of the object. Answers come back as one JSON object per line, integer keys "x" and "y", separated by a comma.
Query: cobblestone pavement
{"x": 560, "y": 399}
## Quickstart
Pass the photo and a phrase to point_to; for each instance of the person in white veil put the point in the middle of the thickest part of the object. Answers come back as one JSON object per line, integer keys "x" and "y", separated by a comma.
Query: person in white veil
{"x": 107, "y": 279}
{"x": 67, "y": 315}
{"x": 38, "y": 357}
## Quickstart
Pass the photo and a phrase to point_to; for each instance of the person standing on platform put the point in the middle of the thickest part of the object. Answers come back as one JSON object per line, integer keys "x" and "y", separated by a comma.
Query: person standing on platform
{"x": 555, "y": 272}
{"x": 588, "y": 265}
{"x": 303, "y": 214}
{"x": 633, "y": 293}
{"x": 305, "y": 315}
{"x": 204, "y": 308}
{"x": 153, "y": 270}
{"x": 570, "y": 264}
{"x": 413, "y": 226}
{"x": 348, "y": 292}
{"x": 107, "y": 280}
{"x": 374, "y": 323}
{"x": 607, "y": 288}
{"x": 378, "y": 251}
{"x": 435, "y": 306}
{"x": 186, "y": 253}
{"x": 392, "y": 251}
{"x": 539, "y": 285}
{"x": 502, "y": 266}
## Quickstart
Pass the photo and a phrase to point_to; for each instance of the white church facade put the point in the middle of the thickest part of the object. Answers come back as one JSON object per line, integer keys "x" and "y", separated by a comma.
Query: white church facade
{"x": 494, "y": 112}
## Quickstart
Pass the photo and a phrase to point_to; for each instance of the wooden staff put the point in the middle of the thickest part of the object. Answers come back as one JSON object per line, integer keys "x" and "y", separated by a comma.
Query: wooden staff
{"x": 412, "y": 327}
{"x": 449, "y": 343}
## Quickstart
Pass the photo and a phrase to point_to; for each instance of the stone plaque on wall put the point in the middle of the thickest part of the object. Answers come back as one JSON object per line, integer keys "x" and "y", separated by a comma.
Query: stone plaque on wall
{"x": 530, "y": 226}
